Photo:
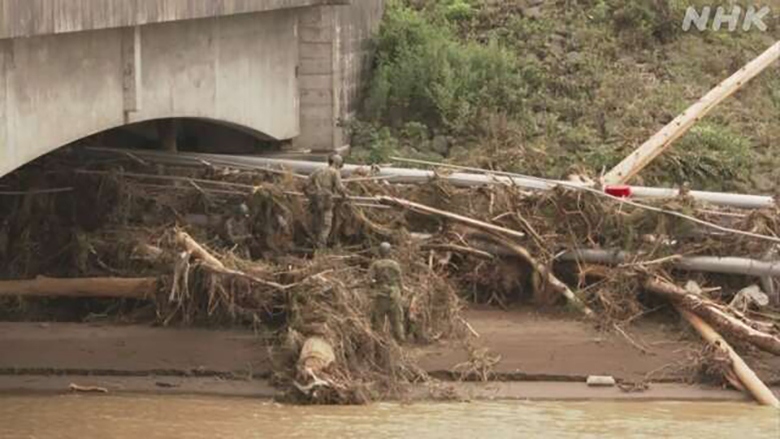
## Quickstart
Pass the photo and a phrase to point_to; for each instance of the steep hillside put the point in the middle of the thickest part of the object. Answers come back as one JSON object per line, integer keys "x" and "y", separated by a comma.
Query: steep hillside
{"x": 551, "y": 87}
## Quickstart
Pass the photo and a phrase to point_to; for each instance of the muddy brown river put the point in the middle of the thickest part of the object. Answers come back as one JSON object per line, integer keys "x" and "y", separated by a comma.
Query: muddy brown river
{"x": 79, "y": 416}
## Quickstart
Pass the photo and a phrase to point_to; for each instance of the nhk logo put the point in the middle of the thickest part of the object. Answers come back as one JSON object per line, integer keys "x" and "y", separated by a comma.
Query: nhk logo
{"x": 750, "y": 18}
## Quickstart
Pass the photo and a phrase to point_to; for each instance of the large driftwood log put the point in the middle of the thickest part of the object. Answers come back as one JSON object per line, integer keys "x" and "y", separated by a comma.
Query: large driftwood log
{"x": 100, "y": 287}
{"x": 749, "y": 380}
{"x": 316, "y": 355}
{"x": 714, "y": 315}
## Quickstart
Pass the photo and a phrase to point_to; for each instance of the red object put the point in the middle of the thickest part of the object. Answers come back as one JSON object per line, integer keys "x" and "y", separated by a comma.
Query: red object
{"x": 618, "y": 191}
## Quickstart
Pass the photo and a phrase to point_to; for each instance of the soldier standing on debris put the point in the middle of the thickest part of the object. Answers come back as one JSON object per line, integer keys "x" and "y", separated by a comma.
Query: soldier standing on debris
{"x": 387, "y": 284}
{"x": 320, "y": 188}
{"x": 237, "y": 231}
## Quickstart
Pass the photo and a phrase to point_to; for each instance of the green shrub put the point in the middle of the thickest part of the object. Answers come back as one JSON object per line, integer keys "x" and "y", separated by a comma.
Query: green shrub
{"x": 425, "y": 74}
{"x": 479, "y": 83}
{"x": 642, "y": 22}
{"x": 458, "y": 10}
{"x": 372, "y": 143}
{"x": 710, "y": 156}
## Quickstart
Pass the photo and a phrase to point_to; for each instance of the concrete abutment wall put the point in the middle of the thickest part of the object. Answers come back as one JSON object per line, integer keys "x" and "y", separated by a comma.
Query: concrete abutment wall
{"x": 335, "y": 61}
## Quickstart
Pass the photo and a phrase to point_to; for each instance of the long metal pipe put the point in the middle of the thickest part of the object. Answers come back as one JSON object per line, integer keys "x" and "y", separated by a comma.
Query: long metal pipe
{"x": 711, "y": 264}
{"x": 407, "y": 175}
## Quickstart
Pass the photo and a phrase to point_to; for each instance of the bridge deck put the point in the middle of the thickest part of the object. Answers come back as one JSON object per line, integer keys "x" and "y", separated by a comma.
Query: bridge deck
{"x": 25, "y": 18}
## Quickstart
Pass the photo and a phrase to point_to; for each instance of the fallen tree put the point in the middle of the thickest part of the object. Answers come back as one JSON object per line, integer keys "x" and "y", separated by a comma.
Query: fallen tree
{"x": 743, "y": 372}
{"x": 709, "y": 311}
{"x": 95, "y": 287}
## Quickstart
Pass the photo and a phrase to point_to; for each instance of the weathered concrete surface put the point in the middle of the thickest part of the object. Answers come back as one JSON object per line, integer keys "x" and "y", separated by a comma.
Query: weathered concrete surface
{"x": 357, "y": 26}
{"x": 532, "y": 347}
{"x": 25, "y": 18}
{"x": 276, "y": 69}
{"x": 467, "y": 391}
{"x": 335, "y": 45}
{"x": 56, "y": 89}
{"x": 130, "y": 350}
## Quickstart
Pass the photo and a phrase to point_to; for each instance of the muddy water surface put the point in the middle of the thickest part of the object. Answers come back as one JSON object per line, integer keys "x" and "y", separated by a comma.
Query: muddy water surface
{"x": 144, "y": 417}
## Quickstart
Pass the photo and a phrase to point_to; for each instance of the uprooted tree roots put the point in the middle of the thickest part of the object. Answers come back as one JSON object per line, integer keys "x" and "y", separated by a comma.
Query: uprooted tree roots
{"x": 152, "y": 221}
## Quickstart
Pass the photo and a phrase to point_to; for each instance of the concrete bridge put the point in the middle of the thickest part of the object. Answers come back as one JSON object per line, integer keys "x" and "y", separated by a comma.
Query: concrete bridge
{"x": 278, "y": 69}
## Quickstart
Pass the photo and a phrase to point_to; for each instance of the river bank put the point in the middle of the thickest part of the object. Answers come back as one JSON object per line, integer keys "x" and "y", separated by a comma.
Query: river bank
{"x": 542, "y": 357}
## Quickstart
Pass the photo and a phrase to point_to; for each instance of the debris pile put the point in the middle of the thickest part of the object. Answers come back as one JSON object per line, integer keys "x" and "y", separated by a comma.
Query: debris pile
{"x": 161, "y": 227}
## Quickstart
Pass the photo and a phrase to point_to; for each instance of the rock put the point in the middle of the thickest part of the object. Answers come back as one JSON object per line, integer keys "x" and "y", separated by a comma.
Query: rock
{"x": 600, "y": 381}
{"x": 440, "y": 145}
{"x": 574, "y": 57}
{"x": 532, "y": 12}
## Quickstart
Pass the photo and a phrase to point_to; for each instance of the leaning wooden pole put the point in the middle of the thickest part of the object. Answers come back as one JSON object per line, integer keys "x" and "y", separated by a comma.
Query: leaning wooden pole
{"x": 98, "y": 287}
{"x": 746, "y": 376}
{"x": 477, "y": 224}
{"x": 751, "y": 382}
{"x": 662, "y": 140}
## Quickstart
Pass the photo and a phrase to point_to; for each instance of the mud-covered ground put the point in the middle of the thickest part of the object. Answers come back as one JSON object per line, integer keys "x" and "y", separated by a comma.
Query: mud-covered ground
{"x": 536, "y": 350}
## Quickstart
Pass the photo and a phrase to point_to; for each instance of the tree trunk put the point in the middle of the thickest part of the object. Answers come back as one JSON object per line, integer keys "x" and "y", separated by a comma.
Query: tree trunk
{"x": 751, "y": 382}
{"x": 101, "y": 287}
{"x": 198, "y": 250}
{"x": 724, "y": 322}
{"x": 316, "y": 354}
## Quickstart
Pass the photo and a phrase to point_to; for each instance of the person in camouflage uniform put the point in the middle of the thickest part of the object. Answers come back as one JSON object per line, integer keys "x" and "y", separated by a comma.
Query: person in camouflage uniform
{"x": 237, "y": 232}
{"x": 386, "y": 277}
{"x": 322, "y": 185}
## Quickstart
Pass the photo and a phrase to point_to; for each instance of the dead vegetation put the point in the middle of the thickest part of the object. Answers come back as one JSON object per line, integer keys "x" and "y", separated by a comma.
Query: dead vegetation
{"x": 129, "y": 218}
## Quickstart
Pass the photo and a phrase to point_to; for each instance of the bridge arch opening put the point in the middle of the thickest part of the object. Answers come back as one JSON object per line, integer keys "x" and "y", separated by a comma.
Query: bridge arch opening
{"x": 185, "y": 134}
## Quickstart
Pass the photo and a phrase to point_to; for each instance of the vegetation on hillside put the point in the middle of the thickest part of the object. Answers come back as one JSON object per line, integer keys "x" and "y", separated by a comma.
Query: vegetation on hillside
{"x": 552, "y": 87}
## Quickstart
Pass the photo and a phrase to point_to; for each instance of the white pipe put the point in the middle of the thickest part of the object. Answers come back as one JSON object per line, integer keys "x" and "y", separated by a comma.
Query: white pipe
{"x": 406, "y": 175}
{"x": 718, "y": 198}
{"x": 711, "y": 264}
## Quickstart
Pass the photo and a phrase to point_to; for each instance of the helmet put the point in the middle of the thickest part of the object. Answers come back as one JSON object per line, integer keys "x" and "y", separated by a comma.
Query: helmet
{"x": 384, "y": 249}
{"x": 242, "y": 210}
{"x": 336, "y": 161}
